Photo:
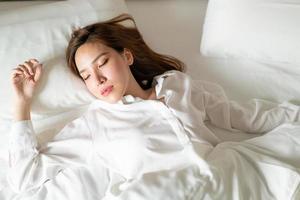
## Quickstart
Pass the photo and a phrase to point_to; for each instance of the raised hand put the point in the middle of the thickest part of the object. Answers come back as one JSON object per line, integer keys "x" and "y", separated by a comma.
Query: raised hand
{"x": 25, "y": 78}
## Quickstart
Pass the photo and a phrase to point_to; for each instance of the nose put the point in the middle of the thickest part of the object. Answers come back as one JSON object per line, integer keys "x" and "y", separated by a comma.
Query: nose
{"x": 100, "y": 83}
{"x": 100, "y": 80}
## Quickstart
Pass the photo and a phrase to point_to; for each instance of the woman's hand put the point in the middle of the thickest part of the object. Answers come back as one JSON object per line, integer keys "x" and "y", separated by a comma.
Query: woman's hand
{"x": 24, "y": 79}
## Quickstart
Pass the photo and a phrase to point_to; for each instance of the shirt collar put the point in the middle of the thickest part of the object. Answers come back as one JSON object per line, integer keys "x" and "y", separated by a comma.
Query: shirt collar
{"x": 128, "y": 99}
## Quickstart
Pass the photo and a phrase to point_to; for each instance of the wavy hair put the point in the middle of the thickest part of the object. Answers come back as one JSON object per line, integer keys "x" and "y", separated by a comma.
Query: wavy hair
{"x": 147, "y": 63}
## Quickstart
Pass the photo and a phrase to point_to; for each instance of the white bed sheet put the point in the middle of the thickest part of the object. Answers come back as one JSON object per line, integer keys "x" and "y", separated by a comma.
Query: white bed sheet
{"x": 174, "y": 27}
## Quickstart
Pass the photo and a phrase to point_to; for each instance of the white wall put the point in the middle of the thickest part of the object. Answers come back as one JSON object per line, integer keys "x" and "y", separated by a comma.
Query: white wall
{"x": 170, "y": 26}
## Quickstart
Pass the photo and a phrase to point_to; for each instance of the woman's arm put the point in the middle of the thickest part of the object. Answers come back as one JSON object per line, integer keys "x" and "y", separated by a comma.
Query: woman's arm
{"x": 25, "y": 79}
{"x": 261, "y": 116}
{"x": 196, "y": 101}
{"x": 22, "y": 111}
{"x": 32, "y": 164}
{"x": 253, "y": 116}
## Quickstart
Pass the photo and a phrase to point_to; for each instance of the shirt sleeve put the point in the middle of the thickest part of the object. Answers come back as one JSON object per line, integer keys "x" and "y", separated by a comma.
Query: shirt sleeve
{"x": 196, "y": 101}
{"x": 31, "y": 164}
{"x": 253, "y": 116}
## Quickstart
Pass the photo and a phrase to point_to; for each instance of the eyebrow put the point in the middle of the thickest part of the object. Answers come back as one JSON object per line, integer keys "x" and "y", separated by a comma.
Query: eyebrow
{"x": 97, "y": 57}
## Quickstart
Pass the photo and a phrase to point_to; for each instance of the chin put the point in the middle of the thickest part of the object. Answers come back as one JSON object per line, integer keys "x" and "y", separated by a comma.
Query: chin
{"x": 111, "y": 102}
{"x": 112, "y": 99}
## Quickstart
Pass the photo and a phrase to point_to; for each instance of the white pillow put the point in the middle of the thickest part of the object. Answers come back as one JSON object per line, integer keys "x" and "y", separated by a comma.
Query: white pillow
{"x": 43, "y": 32}
{"x": 264, "y": 30}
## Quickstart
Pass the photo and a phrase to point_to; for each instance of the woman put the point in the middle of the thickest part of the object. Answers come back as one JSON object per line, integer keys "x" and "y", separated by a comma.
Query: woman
{"x": 148, "y": 119}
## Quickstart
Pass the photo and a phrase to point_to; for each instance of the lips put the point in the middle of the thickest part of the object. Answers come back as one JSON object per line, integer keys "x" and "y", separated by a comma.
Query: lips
{"x": 106, "y": 90}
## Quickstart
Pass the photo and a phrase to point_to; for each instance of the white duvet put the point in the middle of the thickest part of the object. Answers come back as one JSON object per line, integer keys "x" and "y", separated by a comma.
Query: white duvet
{"x": 267, "y": 167}
{"x": 167, "y": 153}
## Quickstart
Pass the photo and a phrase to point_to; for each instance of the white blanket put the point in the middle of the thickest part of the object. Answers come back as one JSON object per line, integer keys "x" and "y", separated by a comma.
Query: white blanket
{"x": 266, "y": 167}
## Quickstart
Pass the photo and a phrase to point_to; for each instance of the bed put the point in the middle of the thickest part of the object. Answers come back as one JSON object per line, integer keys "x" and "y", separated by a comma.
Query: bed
{"x": 216, "y": 46}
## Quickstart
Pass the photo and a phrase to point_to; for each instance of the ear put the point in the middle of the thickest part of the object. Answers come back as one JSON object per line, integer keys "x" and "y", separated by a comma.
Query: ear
{"x": 128, "y": 56}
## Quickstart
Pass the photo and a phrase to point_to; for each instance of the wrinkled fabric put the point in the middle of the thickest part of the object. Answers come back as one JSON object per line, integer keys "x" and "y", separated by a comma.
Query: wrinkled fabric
{"x": 114, "y": 146}
{"x": 265, "y": 167}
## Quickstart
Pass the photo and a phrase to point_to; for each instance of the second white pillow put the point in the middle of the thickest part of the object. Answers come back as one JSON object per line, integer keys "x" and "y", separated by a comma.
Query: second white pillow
{"x": 264, "y": 30}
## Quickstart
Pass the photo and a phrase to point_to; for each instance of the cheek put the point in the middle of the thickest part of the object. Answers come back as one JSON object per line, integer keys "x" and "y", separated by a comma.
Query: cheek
{"x": 114, "y": 71}
{"x": 110, "y": 72}
{"x": 92, "y": 88}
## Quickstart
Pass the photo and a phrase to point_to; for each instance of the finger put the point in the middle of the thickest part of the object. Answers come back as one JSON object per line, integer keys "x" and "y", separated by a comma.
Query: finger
{"x": 25, "y": 70}
{"x": 36, "y": 63}
{"x": 33, "y": 60}
{"x": 16, "y": 74}
{"x": 17, "y": 69}
{"x": 38, "y": 73}
{"x": 29, "y": 66}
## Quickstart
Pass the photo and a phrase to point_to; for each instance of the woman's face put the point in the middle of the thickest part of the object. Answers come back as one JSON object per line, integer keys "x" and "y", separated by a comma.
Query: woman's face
{"x": 105, "y": 71}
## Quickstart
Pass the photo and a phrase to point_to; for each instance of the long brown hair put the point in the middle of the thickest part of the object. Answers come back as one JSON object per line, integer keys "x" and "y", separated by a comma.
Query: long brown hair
{"x": 113, "y": 34}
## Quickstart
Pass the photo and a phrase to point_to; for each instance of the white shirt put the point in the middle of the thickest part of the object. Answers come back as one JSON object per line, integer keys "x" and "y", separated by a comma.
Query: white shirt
{"x": 134, "y": 136}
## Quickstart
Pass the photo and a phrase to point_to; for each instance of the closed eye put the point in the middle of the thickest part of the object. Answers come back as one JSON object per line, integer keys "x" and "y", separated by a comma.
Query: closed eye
{"x": 99, "y": 67}
{"x": 103, "y": 63}
{"x": 86, "y": 77}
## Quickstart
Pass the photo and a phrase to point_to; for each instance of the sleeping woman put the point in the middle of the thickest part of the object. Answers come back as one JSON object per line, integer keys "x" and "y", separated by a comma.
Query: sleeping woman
{"x": 147, "y": 130}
